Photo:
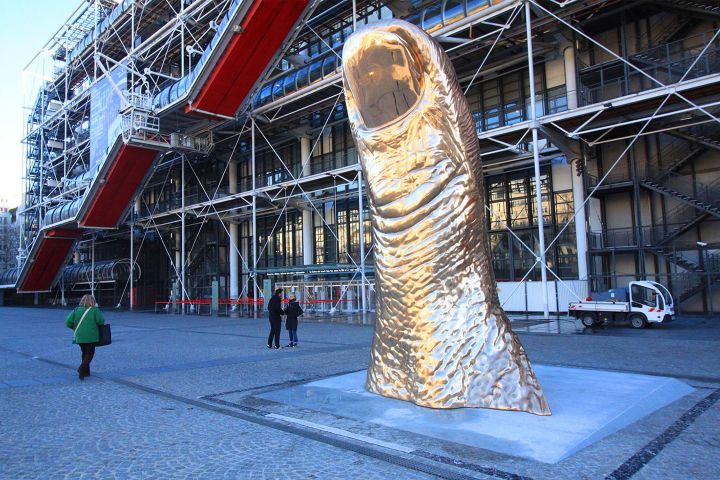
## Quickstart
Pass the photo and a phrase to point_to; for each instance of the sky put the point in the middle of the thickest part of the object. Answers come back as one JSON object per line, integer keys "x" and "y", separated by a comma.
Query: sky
{"x": 25, "y": 27}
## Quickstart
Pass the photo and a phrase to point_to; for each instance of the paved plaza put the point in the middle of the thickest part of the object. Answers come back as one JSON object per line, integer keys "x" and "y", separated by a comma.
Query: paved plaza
{"x": 190, "y": 397}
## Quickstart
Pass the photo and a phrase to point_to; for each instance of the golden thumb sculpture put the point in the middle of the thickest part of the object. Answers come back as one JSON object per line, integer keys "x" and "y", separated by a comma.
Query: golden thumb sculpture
{"x": 441, "y": 338}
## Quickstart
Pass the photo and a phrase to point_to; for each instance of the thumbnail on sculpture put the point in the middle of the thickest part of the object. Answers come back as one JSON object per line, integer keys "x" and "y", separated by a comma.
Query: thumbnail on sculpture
{"x": 441, "y": 338}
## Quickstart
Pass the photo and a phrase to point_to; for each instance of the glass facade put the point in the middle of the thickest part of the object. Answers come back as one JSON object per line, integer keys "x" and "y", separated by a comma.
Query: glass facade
{"x": 512, "y": 205}
{"x": 335, "y": 148}
{"x": 505, "y": 100}
{"x": 279, "y": 240}
{"x": 337, "y": 240}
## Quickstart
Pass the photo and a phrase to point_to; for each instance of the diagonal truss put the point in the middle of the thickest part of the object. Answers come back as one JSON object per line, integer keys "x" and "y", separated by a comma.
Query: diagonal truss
{"x": 152, "y": 62}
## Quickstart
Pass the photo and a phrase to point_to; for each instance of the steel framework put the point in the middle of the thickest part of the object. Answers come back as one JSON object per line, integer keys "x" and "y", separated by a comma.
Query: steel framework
{"x": 170, "y": 49}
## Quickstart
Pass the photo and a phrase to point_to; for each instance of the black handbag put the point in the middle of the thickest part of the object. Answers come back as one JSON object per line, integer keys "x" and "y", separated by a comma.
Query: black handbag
{"x": 104, "y": 335}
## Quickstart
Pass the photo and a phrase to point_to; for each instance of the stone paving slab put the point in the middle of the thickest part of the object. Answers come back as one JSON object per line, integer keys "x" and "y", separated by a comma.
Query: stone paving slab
{"x": 179, "y": 397}
{"x": 616, "y": 400}
{"x": 154, "y": 437}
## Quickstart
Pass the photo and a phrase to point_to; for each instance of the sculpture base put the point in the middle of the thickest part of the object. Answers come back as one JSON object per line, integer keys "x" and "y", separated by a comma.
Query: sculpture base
{"x": 587, "y": 406}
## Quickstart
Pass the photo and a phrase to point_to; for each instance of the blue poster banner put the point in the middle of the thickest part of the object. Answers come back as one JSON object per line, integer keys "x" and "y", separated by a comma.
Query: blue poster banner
{"x": 105, "y": 104}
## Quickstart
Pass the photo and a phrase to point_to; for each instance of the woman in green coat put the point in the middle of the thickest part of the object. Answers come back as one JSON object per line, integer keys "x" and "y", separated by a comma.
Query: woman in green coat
{"x": 84, "y": 321}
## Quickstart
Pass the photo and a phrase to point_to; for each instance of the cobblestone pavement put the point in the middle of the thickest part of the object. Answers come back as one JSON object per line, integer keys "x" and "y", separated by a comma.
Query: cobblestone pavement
{"x": 176, "y": 397}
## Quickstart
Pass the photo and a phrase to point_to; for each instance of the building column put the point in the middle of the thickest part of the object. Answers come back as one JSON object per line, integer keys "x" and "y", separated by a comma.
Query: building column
{"x": 578, "y": 185}
{"x": 307, "y": 221}
{"x": 581, "y": 228}
{"x": 233, "y": 229}
{"x": 178, "y": 250}
{"x": 570, "y": 76}
{"x": 183, "y": 292}
{"x": 245, "y": 250}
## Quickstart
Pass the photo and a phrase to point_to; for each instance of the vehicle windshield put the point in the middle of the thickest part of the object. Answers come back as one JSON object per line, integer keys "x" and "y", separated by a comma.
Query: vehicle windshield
{"x": 665, "y": 293}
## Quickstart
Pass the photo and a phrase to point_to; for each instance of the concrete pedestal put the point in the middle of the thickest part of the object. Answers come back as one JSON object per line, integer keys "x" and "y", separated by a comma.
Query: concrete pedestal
{"x": 587, "y": 405}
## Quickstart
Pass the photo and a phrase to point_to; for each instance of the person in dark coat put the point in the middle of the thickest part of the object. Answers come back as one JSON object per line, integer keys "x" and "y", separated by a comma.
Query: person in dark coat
{"x": 293, "y": 311}
{"x": 276, "y": 312}
{"x": 84, "y": 321}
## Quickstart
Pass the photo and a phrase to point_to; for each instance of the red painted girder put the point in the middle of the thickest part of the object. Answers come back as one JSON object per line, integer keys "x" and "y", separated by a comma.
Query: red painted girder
{"x": 263, "y": 30}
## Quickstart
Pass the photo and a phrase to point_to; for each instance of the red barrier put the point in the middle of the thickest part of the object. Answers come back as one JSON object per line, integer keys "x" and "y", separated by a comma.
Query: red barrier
{"x": 241, "y": 301}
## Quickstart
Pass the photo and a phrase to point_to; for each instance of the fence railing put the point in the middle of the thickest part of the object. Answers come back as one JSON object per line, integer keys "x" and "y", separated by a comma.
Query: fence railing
{"x": 647, "y": 236}
{"x": 667, "y": 63}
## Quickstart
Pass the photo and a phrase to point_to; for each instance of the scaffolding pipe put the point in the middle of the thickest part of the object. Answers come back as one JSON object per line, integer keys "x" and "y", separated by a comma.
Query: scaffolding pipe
{"x": 578, "y": 186}
{"x": 363, "y": 304}
{"x": 182, "y": 233}
{"x": 354, "y": 14}
{"x": 254, "y": 212}
{"x": 132, "y": 263}
{"x": 307, "y": 216}
{"x": 233, "y": 231}
{"x": 536, "y": 161}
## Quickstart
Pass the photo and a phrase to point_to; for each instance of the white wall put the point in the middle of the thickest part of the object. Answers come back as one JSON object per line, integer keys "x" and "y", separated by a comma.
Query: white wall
{"x": 527, "y": 296}
{"x": 561, "y": 178}
{"x": 618, "y": 210}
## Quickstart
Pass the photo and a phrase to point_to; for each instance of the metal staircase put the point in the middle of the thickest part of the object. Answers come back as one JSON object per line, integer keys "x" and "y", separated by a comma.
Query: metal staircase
{"x": 677, "y": 30}
{"x": 702, "y": 203}
{"x": 679, "y": 153}
{"x": 702, "y": 276}
{"x": 707, "y": 136}
{"x": 679, "y": 260}
{"x": 683, "y": 218}
{"x": 664, "y": 179}
{"x": 706, "y": 7}
{"x": 694, "y": 289}
{"x": 695, "y": 206}
{"x": 668, "y": 28}
{"x": 669, "y": 62}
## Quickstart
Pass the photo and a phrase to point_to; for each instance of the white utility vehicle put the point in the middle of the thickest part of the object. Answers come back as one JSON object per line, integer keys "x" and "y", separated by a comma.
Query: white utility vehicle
{"x": 642, "y": 303}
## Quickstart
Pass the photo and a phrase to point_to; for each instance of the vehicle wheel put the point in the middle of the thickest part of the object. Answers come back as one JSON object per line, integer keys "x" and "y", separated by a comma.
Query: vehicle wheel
{"x": 638, "y": 321}
{"x": 588, "y": 319}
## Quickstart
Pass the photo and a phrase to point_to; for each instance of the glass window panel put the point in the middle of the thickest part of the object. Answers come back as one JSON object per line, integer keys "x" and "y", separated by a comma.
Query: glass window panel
{"x": 454, "y": 10}
{"x": 316, "y": 71}
{"x": 492, "y": 118}
{"x": 496, "y": 188}
{"x": 498, "y": 215}
{"x": 523, "y": 259}
{"x": 499, "y": 247}
{"x": 564, "y": 207}
{"x": 319, "y": 244}
{"x": 545, "y": 198}
{"x": 519, "y": 208}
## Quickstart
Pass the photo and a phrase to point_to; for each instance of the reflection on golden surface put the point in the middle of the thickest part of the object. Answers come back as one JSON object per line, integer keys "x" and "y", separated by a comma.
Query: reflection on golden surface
{"x": 441, "y": 338}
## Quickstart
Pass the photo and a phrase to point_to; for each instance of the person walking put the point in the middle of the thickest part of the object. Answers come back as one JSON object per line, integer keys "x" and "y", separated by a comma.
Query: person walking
{"x": 84, "y": 321}
{"x": 293, "y": 311}
{"x": 276, "y": 312}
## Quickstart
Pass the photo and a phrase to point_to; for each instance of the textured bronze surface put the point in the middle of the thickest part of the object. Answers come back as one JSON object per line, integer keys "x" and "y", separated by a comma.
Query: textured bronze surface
{"x": 441, "y": 338}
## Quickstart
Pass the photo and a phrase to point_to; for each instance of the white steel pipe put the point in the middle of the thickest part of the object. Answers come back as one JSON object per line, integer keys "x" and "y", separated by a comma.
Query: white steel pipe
{"x": 307, "y": 222}
{"x": 253, "y": 237}
{"x": 233, "y": 232}
{"x": 536, "y": 160}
